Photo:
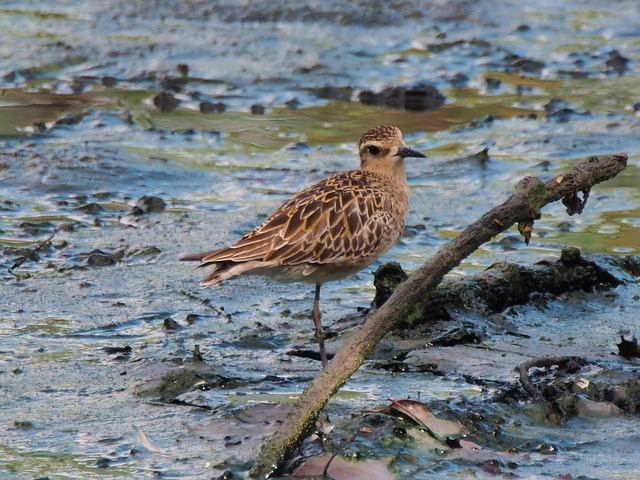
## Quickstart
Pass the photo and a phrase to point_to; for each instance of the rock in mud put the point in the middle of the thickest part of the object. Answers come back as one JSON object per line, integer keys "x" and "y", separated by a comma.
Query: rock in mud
{"x": 183, "y": 69}
{"x": 165, "y": 102}
{"x": 334, "y": 93}
{"x": 148, "y": 204}
{"x": 492, "y": 83}
{"x": 459, "y": 80}
{"x": 98, "y": 258}
{"x": 69, "y": 119}
{"x": 628, "y": 348}
{"x": 210, "y": 107}
{"x": 174, "y": 84}
{"x": 423, "y": 97}
{"x": 298, "y": 147}
{"x": 617, "y": 62}
{"x": 525, "y": 64}
{"x": 39, "y": 127}
{"x": 484, "y": 122}
{"x": 90, "y": 208}
{"x": 458, "y": 336}
{"x": 34, "y": 229}
{"x": 143, "y": 252}
{"x": 170, "y": 324}
{"x": 21, "y": 252}
{"x": 558, "y": 109}
{"x": 292, "y": 104}
{"x": 109, "y": 81}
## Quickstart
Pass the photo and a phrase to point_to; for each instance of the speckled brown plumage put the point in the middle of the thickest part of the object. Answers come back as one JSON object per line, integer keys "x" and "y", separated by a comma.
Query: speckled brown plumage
{"x": 330, "y": 230}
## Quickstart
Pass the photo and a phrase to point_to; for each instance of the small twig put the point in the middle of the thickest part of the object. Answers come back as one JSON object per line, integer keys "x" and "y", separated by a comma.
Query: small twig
{"x": 34, "y": 250}
{"x": 325, "y": 472}
{"x": 204, "y": 301}
{"x": 197, "y": 355}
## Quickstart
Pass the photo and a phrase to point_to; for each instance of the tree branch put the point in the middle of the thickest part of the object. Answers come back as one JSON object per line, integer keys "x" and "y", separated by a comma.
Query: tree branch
{"x": 545, "y": 362}
{"x": 411, "y": 297}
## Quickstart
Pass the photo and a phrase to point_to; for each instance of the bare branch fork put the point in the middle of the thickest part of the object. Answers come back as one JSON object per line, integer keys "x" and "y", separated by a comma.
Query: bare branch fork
{"x": 412, "y": 297}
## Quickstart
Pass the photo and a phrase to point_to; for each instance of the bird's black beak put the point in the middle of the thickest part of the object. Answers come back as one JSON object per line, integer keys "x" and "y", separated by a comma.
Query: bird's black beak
{"x": 407, "y": 152}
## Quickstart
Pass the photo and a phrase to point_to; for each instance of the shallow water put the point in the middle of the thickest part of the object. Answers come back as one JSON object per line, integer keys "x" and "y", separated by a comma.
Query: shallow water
{"x": 82, "y": 141}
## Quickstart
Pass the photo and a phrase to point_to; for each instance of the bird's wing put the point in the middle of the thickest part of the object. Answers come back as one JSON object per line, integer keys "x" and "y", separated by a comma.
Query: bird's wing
{"x": 340, "y": 218}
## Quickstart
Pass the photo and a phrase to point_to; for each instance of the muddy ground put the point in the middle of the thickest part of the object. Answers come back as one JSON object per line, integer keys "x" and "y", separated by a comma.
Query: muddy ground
{"x": 223, "y": 110}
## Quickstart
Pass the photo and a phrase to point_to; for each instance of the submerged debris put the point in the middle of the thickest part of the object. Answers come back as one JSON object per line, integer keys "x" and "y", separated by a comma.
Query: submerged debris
{"x": 418, "y": 98}
{"x": 386, "y": 278}
{"x": 504, "y": 284}
{"x": 629, "y": 348}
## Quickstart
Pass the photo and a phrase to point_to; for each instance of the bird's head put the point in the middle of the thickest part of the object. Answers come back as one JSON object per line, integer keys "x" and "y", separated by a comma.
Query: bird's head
{"x": 382, "y": 149}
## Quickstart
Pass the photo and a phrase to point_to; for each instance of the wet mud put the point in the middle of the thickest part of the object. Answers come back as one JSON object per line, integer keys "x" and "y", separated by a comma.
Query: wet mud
{"x": 134, "y": 133}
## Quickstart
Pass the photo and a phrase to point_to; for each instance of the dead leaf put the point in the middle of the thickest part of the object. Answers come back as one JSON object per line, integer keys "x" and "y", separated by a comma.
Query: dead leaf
{"x": 264, "y": 413}
{"x": 526, "y": 229}
{"x": 247, "y": 429}
{"x": 341, "y": 469}
{"x": 468, "y": 444}
{"x": 574, "y": 203}
{"x": 474, "y": 455}
{"x": 422, "y": 415}
{"x": 144, "y": 441}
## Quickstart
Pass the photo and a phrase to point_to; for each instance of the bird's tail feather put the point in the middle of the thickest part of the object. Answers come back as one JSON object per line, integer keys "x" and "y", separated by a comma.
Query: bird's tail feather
{"x": 196, "y": 257}
{"x": 212, "y": 279}
{"x": 220, "y": 272}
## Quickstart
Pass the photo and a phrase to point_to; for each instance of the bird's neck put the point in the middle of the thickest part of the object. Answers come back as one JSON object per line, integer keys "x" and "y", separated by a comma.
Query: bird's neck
{"x": 394, "y": 172}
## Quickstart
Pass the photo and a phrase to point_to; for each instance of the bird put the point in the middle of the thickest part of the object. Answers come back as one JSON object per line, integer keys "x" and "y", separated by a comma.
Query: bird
{"x": 330, "y": 230}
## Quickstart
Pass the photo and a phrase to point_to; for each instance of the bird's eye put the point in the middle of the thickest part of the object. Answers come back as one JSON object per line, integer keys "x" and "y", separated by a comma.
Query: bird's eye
{"x": 373, "y": 150}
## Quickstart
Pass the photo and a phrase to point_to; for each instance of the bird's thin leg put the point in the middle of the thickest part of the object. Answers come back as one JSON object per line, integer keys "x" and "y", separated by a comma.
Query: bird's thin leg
{"x": 317, "y": 317}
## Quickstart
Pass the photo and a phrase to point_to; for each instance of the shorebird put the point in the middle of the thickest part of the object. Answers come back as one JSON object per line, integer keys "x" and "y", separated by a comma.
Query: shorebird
{"x": 330, "y": 230}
